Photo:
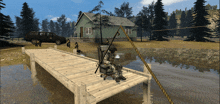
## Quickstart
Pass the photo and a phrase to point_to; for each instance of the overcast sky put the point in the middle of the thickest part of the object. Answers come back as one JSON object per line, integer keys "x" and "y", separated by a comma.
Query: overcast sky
{"x": 51, "y": 9}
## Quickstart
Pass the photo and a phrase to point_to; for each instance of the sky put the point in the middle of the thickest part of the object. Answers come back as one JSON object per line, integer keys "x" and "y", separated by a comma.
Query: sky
{"x": 52, "y": 9}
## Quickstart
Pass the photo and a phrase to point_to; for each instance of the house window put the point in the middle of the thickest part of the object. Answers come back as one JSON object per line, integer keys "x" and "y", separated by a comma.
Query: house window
{"x": 128, "y": 31}
{"x": 88, "y": 30}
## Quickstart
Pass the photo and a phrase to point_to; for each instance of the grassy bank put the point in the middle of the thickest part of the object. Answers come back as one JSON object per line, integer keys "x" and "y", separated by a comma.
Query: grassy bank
{"x": 13, "y": 55}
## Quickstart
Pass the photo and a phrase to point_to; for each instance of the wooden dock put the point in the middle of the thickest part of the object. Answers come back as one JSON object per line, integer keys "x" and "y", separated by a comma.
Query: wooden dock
{"x": 76, "y": 73}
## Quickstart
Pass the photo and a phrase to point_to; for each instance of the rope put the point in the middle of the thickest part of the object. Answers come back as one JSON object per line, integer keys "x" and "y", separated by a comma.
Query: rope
{"x": 161, "y": 87}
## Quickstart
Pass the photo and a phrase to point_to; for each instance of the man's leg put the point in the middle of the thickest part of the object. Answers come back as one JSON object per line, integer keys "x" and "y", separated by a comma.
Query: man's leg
{"x": 119, "y": 69}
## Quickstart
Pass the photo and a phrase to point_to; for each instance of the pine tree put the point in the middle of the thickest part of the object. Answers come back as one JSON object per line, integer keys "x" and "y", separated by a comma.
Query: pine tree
{"x": 45, "y": 26}
{"x": 73, "y": 28}
{"x": 18, "y": 26}
{"x": 189, "y": 19}
{"x": 124, "y": 11}
{"x": 11, "y": 25}
{"x": 62, "y": 24}
{"x": 199, "y": 33}
{"x": 172, "y": 24}
{"x": 36, "y": 25}
{"x": 57, "y": 27}
{"x": 28, "y": 21}
{"x": 159, "y": 22}
{"x": 143, "y": 21}
{"x": 182, "y": 32}
{"x": 151, "y": 16}
{"x": 52, "y": 26}
{"x": 5, "y": 25}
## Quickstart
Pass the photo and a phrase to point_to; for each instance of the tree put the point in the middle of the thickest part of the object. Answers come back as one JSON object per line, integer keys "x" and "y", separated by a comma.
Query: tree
{"x": 182, "y": 24}
{"x": 45, "y": 25}
{"x": 189, "y": 19}
{"x": 143, "y": 21}
{"x": 73, "y": 28}
{"x": 159, "y": 22}
{"x": 99, "y": 20}
{"x": 36, "y": 25}
{"x": 62, "y": 24}
{"x": 80, "y": 12}
{"x": 18, "y": 26}
{"x": 208, "y": 7}
{"x": 151, "y": 16}
{"x": 28, "y": 21}
{"x": 172, "y": 24}
{"x": 199, "y": 33}
{"x": 124, "y": 11}
{"x": 5, "y": 23}
{"x": 57, "y": 27}
{"x": 11, "y": 25}
{"x": 52, "y": 26}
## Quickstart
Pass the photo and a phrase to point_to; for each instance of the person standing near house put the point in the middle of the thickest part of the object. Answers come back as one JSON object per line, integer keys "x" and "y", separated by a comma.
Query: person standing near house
{"x": 68, "y": 43}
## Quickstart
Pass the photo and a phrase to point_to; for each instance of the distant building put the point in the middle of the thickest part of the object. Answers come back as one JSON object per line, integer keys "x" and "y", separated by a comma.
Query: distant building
{"x": 84, "y": 27}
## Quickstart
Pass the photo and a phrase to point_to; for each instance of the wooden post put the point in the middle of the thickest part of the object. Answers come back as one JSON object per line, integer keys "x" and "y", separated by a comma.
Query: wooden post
{"x": 33, "y": 68}
{"x": 74, "y": 51}
{"x": 76, "y": 94}
{"x": 55, "y": 46}
{"x": 83, "y": 94}
{"x": 22, "y": 50}
{"x": 146, "y": 87}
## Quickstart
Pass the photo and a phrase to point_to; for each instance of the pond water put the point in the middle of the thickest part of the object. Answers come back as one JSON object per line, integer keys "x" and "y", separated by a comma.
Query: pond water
{"x": 184, "y": 84}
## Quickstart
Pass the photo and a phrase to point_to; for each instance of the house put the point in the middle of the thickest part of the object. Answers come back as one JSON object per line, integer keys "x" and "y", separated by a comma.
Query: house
{"x": 85, "y": 28}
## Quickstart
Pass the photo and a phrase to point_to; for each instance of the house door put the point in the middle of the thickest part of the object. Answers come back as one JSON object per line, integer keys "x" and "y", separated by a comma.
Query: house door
{"x": 81, "y": 31}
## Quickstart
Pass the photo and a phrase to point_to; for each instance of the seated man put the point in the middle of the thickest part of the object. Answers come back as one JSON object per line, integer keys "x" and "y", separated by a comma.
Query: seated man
{"x": 109, "y": 60}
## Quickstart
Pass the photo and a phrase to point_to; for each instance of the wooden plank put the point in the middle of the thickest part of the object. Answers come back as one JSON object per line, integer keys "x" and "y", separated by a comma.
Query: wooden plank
{"x": 77, "y": 67}
{"x": 75, "y": 75}
{"x": 105, "y": 85}
{"x": 72, "y": 72}
{"x": 60, "y": 61}
{"x": 118, "y": 88}
{"x": 70, "y": 64}
{"x": 62, "y": 79}
{"x": 94, "y": 84}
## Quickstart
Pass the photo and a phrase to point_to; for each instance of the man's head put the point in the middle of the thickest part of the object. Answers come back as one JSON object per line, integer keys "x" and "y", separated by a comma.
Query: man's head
{"x": 112, "y": 49}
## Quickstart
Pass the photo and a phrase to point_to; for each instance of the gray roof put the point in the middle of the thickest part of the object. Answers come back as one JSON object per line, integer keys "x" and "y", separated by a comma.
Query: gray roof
{"x": 112, "y": 19}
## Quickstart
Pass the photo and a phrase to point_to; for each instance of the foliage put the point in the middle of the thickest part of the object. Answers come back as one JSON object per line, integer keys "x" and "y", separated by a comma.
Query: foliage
{"x": 172, "y": 24}
{"x": 183, "y": 24}
{"x": 189, "y": 23}
{"x": 80, "y": 12}
{"x": 124, "y": 11}
{"x": 28, "y": 22}
{"x": 6, "y": 23}
{"x": 199, "y": 33}
{"x": 159, "y": 22}
{"x": 52, "y": 26}
{"x": 45, "y": 25}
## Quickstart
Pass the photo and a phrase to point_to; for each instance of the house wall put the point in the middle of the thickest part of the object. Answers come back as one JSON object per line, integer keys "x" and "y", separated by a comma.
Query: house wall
{"x": 84, "y": 22}
{"x": 109, "y": 32}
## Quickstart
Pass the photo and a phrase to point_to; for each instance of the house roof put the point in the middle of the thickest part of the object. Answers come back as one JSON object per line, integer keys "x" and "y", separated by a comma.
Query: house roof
{"x": 112, "y": 19}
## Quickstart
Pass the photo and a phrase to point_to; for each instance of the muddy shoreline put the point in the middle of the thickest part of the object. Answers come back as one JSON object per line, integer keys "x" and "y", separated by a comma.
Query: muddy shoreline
{"x": 202, "y": 59}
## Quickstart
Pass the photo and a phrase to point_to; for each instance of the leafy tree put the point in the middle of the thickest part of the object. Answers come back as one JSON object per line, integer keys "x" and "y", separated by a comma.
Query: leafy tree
{"x": 52, "y": 26}
{"x": 172, "y": 24}
{"x": 80, "y": 12}
{"x": 199, "y": 33}
{"x": 124, "y": 11}
{"x": 5, "y": 23}
{"x": 189, "y": 19}
{"x": 183, "y": 24}
{"x": 99, "y": 20}
{"x": 159, "y": 22}
{"x": 45, "y": 26}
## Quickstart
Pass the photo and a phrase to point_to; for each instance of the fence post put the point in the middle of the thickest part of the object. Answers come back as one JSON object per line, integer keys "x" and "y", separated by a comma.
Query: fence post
{"x": 146, "y": 87}
{"x": 74, "y": 51}
{"x": 22, "y": 50}
{"x": 55, "y": 46}
{"x": 33, "y": 68}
